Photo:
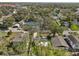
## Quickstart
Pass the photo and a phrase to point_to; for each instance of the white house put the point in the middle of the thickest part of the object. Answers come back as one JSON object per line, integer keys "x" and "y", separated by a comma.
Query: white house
{"x": 16, "y": 25}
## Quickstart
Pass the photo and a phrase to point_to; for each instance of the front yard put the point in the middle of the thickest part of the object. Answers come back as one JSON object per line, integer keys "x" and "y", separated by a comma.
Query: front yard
{"x": 2, "y": 34}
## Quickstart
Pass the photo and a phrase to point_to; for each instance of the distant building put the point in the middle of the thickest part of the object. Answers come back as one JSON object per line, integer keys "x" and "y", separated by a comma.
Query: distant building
{"x": 77, "y": 9}
{"x": 10, "y": 5}
{"x": 63, "y": 11}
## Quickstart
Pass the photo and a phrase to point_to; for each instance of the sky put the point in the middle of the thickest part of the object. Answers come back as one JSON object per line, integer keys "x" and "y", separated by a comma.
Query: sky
{"x": 39, "y": 0}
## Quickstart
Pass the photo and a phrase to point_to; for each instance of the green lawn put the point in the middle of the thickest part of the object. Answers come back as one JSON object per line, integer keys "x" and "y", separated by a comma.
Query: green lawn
{"x": 74, "y": 27}
{"x": 2, "y": 34}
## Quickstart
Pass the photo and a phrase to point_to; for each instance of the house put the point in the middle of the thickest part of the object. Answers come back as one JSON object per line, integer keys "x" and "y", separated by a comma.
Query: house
{"x": 34, "y": 27}
{"x": 15, "y": 11}
{"x": 59, "y": 42}
{"x": 63, "y": 11}
{"x": 75, "y": 41}
{"x": 32, "y": 23}
{"x": 16, "y": 25}
{"x": 15, "y": 28}
{"x": 19, "y": 37}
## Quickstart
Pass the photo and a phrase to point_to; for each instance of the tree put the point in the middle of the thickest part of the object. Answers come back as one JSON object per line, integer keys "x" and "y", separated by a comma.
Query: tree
{"x": 20, "y": 15}
{"x": 55, "y": 28}
{"x": 3, "y": 26}
{"x": 9, "y": 33}
{"x": 17, "y": 17}
{"x": 9, "y": 21}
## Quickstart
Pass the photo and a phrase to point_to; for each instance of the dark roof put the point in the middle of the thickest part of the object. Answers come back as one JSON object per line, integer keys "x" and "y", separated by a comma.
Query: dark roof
{"x": 29, "y": 20}
{"x": 59, "y": 42}
{"x": 74, "y": 38}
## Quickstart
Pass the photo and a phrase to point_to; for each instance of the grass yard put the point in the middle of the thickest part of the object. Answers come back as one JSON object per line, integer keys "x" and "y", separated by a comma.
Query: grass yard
{"x": 2, "y": 34}
{"x": 74, "y": 27}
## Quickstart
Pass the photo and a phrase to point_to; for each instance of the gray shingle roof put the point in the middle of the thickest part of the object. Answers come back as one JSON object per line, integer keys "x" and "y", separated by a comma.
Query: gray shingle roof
{"x": 59, "y": 42}
{"x": 74, "y": 38}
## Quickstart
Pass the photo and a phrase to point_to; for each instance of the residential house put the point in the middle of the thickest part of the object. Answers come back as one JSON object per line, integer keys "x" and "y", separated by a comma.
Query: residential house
{"x": 20, "y": 37}
{"x": 75, "y": 41}
{"x": 63, "y": 11}
{"x": 59, "y": 42}
{"x": 16, "y": 25}
{"x": 35, "y": 27}
{"x": 15, "y": 28}
{"x": 31, "y": 22}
